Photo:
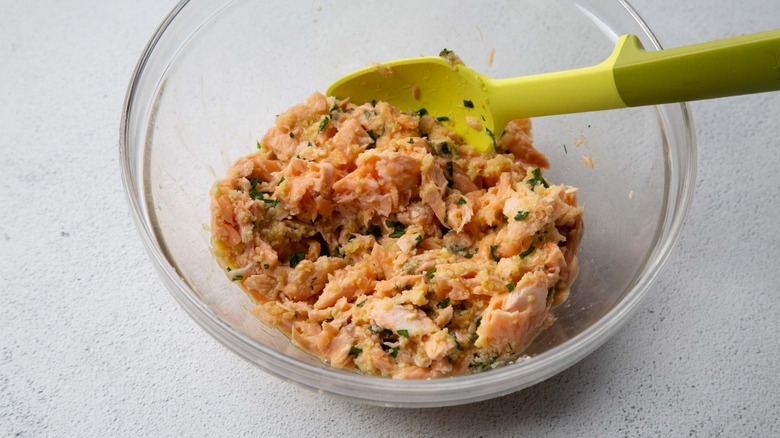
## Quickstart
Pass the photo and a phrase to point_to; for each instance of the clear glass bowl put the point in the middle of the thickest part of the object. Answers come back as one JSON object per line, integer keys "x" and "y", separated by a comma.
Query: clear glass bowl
{"x": 217, "y": 71}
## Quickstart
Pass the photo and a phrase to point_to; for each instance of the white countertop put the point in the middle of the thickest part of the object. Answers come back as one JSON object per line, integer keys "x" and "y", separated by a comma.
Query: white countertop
{"x": 92, "y": 344}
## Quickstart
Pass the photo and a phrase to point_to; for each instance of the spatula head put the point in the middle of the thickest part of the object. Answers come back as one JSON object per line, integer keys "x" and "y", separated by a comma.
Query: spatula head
{"x": 453, "y": 93}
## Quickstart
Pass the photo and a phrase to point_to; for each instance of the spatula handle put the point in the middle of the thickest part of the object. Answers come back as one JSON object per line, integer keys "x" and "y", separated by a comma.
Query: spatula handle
{"x": 741, "y": 65}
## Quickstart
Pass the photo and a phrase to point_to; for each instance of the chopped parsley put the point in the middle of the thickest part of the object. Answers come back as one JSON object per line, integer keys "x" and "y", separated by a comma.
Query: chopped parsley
{"x": 468, "y": 103}
{"x": 258, "y": 195}
{"x": 521, "y": 215}
{"x": 481, "y": 362}
{"x": 537, "y": 179}
{"x": 443, "y": 119}
{"x": 335, "y": 107}
{"x": 296, "y": 258}
{"x": 360, "y": 304}
{"x": 510, "y": 287}
{"x": 449, "y": 168}
{"x": 461, "y": 201}
{"x": 445, "y": 52}
{"x": 468, "y": 255}
{"x": 550, "y": 293}
{"x": 421, "y": 112}
{"x": 266, "y": 266}
{"x": 371, "y": 134}
{"x": 367, "y": 114}
{"x": 527, "y": 252}
{"x": 398, "y": 228}
{"x": 492, "y": 137}
{"x": 281, "y": 180}
{"x": 477, "y": 322}
{"x": 443, "y": 303}
{"x": 354, "y": 351}
{"x": 493, "y": 255}
{"x": 429, "y": 273}
{"x": 324, "y": 123}
{"x": 259, "y": 146}
{"x": 408, "y": 287}
{"x": 310, "y": 145}
{"x": 237, "y": 277}
{"x": 394, "y": 351}
{"x": 566, "y": 151}
{"x": 455, "y": 338}
{"x": 404, "y": 333}
{"x": 418, "y": 240}
{"x": 411, "y": 140}
{"x": 292, "y": 135}
{"x": 445, "y": 148}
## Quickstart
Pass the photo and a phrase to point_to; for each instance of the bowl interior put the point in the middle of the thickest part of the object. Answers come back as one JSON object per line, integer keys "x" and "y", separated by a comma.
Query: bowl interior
{"x": 221, "y": 71}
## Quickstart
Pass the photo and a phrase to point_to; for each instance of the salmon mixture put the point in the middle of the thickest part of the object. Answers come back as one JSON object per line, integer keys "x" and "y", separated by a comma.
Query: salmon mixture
{"x": 380, "y": 242}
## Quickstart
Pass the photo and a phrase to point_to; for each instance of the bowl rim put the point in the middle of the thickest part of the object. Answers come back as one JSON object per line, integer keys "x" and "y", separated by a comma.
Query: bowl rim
{"x": 392, "y": 392}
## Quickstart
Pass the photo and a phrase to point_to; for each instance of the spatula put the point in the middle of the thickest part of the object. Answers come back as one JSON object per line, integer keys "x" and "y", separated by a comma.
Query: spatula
{"x": 479, "y": 107}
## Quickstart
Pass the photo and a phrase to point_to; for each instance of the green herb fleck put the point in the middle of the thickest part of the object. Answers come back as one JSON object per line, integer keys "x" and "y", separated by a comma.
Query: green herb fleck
{"x": 527, "y": 252}
{"x": 455, "y": 338}
{"x": 445, "y": 52}
{"x": 481, "y": 362}
{"x": 411, "y": 140}
{"x": 398, "y": 228}
{"x": 521, "y": 215}
{"x": 367, "y": 114}
{"x": 296, "y": 258}
{"x": 266, "y": 265}
{"x": 259, "y": 146}
{"x": 461, "y": 201}
{"x": 335, "y": 107}
{"x": 394, "y": 351}
{"x": 429, "y": 273}
{"x": 493, "y": 255}
{"x": 492, "y": 137}
{"x": 566, "y": 151}
{"x": 443, "y": 119}
{"x": 468, "y": 104}
{"x": 281, "y": 180}
{"x": 418, "y": 240}
{"x": 408, "y": 287}
{"x": 324, "y": 123}
{"x": 404, "y": 333}
{"x": 237, "y": 277}
{"x": 373, "y": 102}
{"x": 537, "y": 179}
{"x": 360, "y": 304}
{"x": 371, "y": 134}
{"x": 468, "y": 255}
{"x": 354, "y": 351}
{"x": 421, "y": 112}
{"x": 310, "y": 145}
{"x": 443, "y": 303}
{"x": 445, "y": 148}
{"x": 550, "y": 293}
{"x": 510, "y": 287}
{"x": 477, "y": 322}
{"x": 292, "y": 135}
{"x": 449, "y": 168}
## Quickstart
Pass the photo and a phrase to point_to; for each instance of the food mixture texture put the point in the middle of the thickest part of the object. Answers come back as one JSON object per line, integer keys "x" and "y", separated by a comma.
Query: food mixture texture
{"x": 381, "y": 243}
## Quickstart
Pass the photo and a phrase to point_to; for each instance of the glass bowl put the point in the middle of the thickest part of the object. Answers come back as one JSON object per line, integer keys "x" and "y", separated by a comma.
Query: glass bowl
{"x": 216, "y": 72}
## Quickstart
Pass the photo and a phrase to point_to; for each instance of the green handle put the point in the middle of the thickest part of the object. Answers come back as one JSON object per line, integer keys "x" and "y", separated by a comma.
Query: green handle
{"x": 741, "y": 65}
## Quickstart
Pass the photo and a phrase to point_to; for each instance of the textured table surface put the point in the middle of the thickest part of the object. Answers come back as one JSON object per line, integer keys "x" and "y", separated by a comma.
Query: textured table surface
{"x": 91, "y": 343}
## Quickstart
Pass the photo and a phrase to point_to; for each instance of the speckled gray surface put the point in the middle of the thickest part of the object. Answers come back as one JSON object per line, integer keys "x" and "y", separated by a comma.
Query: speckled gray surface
{"x": 91, "y": 343}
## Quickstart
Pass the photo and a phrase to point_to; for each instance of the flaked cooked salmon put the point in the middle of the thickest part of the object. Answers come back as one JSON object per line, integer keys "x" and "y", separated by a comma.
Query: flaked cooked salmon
{"x": 379, "y": 241}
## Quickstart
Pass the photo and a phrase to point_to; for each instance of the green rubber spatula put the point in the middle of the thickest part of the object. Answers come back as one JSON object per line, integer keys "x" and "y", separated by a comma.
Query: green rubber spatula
{"x": 478, "y": 107}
